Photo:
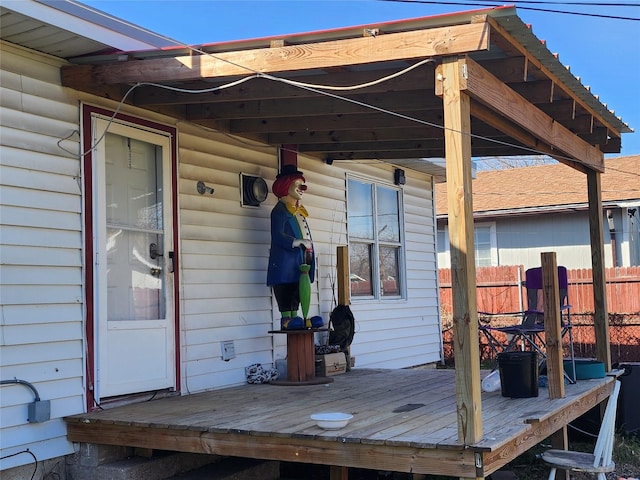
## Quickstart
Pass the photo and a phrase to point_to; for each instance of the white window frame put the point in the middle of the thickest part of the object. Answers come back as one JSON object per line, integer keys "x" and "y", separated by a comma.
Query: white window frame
{"x": 493, "y": 244}
{"x": 375, "y": 243}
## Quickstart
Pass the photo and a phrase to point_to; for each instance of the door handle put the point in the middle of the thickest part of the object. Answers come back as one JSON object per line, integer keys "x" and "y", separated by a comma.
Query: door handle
{"x": 154, "y": 252}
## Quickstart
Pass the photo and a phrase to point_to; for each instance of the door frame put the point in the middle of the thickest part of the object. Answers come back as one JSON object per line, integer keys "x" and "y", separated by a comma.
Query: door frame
{"x": 87, "y": 159}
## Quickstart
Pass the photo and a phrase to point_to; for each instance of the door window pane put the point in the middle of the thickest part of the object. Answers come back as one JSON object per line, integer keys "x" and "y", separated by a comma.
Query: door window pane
{"x": 133, "y": 198}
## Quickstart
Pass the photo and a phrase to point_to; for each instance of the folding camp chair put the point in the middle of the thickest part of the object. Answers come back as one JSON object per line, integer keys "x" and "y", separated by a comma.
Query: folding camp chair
{"x": 529, "y": 334}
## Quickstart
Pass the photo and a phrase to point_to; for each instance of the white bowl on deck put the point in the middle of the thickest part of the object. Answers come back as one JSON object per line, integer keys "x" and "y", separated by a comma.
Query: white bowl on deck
{"x": 331, "y": 420}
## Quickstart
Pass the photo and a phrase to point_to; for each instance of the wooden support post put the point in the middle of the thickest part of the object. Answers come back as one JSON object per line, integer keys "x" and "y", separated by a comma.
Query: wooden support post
{"x": 601, "y": 320}
{"x": 338, "y": 473}
{"x": 342, "y": 266}
{"x": 457, "y": 122}
{"x": 553, "y": 340}
{"x": 552, "y": 327}
{"x": 560, "y": 441}
{"x": 344, "y": 286}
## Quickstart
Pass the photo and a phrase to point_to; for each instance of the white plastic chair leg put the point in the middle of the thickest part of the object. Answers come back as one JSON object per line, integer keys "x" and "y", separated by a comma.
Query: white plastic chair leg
{"x": 552, "y": 474}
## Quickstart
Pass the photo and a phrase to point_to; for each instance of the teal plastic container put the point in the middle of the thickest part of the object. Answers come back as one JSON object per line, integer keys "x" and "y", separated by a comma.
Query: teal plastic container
{"x": 586, "y": 368}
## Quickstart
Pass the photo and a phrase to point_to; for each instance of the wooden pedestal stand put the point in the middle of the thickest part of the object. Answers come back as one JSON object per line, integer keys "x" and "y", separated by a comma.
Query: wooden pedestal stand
{"x": 301, "y": 358}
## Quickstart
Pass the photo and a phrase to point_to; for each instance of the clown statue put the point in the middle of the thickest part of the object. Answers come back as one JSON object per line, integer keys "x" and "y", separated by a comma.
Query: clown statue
{"x": 291, "y": 259}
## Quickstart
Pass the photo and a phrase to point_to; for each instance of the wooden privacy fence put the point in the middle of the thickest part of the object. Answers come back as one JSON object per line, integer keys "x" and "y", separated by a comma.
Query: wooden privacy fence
{"x": 500, "y": 291}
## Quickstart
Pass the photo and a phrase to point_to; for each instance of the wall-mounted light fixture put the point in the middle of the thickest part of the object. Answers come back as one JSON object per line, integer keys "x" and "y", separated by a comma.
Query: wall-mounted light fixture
{"x": 398, "y": 177}
{"x": 202, "y": 188}
{"x": 253, "y": 190}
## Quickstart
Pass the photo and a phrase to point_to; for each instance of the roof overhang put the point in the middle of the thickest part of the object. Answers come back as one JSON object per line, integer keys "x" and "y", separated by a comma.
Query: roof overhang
{"x": 67, "y": 29}
{"x": 536, "y": 211}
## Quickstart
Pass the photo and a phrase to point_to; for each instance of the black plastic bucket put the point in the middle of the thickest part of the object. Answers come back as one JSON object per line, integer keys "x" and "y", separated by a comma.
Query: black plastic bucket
{"x": 518, "y": 374}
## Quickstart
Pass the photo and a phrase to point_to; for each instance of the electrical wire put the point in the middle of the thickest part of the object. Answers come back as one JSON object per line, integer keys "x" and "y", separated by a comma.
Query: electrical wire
{"x": 35, "y": 459}
{"x": 318, "y": 89}
{"x": 590, "y": 4}
{"x": 497, "y": 4}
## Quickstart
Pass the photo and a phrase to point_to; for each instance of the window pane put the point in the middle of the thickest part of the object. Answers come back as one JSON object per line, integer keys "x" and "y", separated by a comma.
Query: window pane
{"x": 483, "y": 246}
{"x": 389, "y": 277}
{"x": 388, "y": 216}
{"x": 360, "y": 210}
{"x": 360, "y": 269}
{"x": 442, "y": 247}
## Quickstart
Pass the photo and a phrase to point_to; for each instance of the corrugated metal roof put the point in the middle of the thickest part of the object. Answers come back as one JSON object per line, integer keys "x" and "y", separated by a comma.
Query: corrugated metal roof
{"x": 524, "y": 34}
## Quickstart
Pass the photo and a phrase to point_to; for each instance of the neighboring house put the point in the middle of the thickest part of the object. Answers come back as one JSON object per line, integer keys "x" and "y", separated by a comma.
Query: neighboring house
{"x": 134, "y": 244}
{"x": 120, "y": 275}
{"x": 521, "y": 212}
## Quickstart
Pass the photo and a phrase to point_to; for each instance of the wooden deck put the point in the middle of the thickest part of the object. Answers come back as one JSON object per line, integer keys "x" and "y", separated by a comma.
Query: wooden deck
{"x": 404, "y": 421}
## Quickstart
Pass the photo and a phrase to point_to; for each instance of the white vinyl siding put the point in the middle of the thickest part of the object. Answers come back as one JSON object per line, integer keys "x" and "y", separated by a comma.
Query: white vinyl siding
{"x": 224, "y": 253}
{"x": 41, "y": 255}
{"x": 522, "y": 240}
{"x": 223, "y": 250}
{"x": 223, "y": 259}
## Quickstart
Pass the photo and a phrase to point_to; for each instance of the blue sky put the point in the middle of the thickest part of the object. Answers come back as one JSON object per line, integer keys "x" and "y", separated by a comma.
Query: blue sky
{"x": 603, "y": 52}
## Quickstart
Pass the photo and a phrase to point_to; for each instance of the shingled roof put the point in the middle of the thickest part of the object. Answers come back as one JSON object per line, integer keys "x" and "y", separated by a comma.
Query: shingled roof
{"x": 546, "y": 187}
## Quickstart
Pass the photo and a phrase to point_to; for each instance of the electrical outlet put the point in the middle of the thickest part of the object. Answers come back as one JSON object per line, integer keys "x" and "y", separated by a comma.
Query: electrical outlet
{"x": 228, "y": 350}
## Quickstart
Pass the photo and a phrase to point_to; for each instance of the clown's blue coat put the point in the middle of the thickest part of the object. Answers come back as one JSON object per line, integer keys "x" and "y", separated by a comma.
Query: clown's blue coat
{"x": 284, "y": 260}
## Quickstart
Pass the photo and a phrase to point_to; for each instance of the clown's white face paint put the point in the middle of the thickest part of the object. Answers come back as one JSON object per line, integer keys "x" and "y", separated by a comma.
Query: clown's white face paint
{"x": 296, "y": 189}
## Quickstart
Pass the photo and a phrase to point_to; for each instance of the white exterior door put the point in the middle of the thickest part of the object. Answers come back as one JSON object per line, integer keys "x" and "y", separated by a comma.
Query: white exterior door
{"x": 134, "y": 304}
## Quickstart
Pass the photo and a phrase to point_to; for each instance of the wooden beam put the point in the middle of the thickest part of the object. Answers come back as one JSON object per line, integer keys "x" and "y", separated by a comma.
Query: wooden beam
{"x": 457, "y": 122}
{"x": 307, "y": 137}
{"x": 487, "y": 89}
{"x": 539, "y": 91}
{"x": 552, "y": 327}
{"x": 379, "y": 154}
{"x": 318, "y": 105}
{"x": 320, "y": 451}
{"x": 335, "y": 122}
{"x": 600, "y": 317}
{"x": 263, "y": 89}
{"x": 403, "y": 145}
{"x": 511, "y": 69}
{"x": 419, "y": 44}
{"x": 544, "y": 426}
{"x": 485, "y": 114}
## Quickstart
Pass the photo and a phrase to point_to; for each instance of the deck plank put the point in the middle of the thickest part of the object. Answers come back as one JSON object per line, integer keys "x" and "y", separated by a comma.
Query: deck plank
{"x": 272, "y": 422}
